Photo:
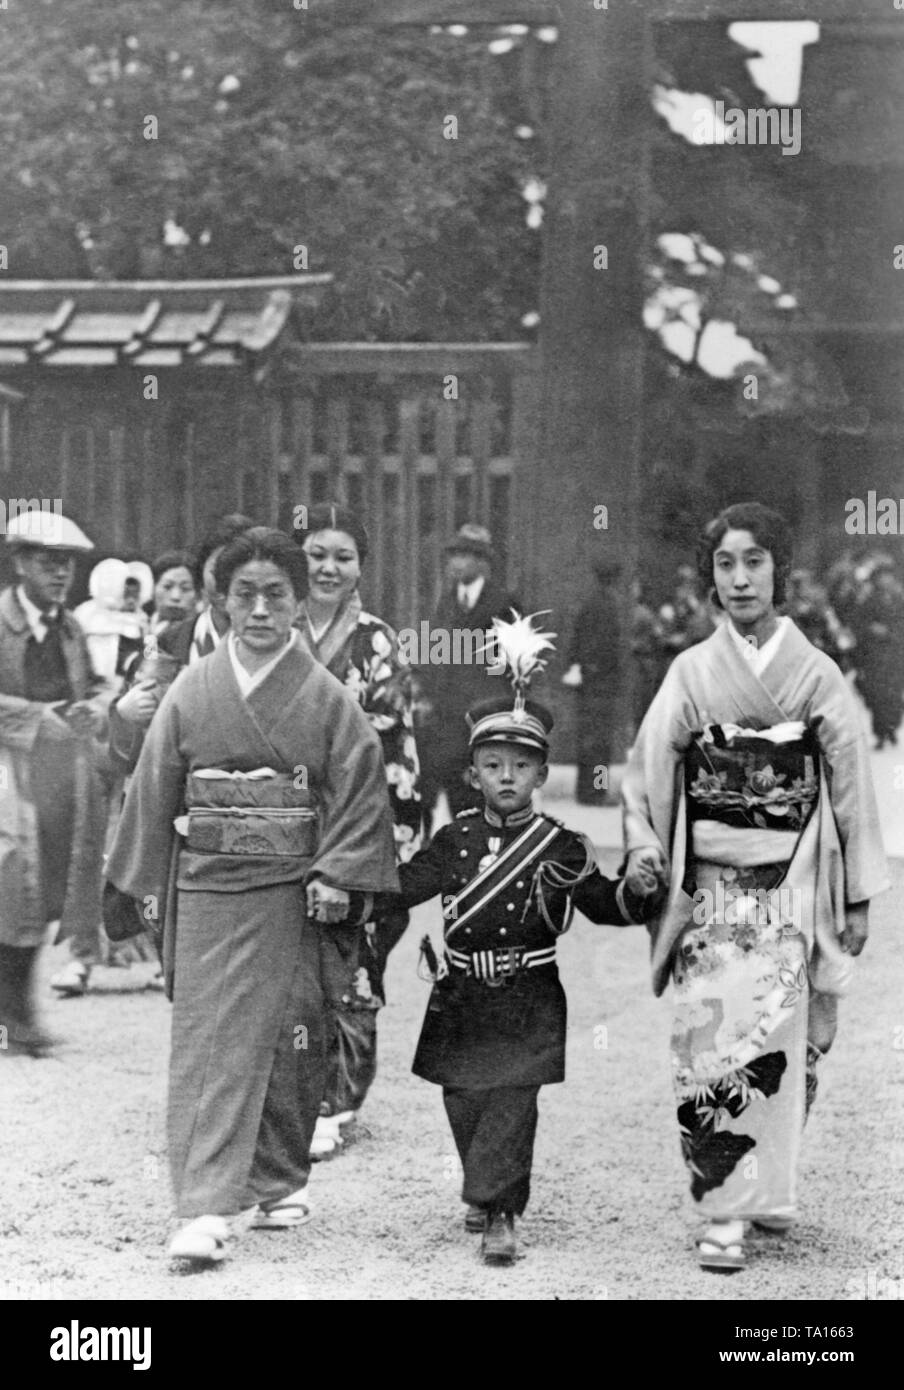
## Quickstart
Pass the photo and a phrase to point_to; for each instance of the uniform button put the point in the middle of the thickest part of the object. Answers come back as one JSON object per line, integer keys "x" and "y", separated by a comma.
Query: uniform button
{"x": 467, "y": 931}
{"x": 462, "y": 854}
{"x": 503, "y": 931}
{"x": 510, "y": 907}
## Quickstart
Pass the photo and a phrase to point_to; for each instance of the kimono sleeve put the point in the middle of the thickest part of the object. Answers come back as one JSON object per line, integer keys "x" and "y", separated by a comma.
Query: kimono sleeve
{"x": 356, "y": 850}
{"x": 125, "y": 741}
{"x": 386, "y": 700}
{"x": 140, "y": 856}
{"x": 850, "y": 787}
{"x": 650, "y": 781}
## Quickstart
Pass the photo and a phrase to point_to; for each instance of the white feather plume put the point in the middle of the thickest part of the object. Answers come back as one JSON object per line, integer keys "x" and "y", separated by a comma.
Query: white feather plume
{"x": 521, "y": 646}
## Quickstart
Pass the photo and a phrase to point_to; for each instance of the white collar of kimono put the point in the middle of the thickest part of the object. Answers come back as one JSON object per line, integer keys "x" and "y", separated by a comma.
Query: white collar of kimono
{"x": 759, "y": 657}
{"x": 247, "y": 681}
{"x": 204, "y": 632}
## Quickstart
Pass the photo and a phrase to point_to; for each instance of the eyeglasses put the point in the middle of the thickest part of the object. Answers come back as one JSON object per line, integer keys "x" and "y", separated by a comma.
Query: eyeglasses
{"x": 52, "y": 560}
{"x": 273, "y": 595}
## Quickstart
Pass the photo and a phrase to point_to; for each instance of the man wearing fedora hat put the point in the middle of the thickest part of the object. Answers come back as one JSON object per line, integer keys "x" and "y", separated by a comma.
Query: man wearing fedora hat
{"x": 471, "y": 599}
{"x": 52, "y": 805}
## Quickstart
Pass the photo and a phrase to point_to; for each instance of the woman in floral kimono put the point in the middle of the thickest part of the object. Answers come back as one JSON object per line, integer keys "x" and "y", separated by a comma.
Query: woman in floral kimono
{"x": 362, "y": 652}
{"x": 750, "y": 779}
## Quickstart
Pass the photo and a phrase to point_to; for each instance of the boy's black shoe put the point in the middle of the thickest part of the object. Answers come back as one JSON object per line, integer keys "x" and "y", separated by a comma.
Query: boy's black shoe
{"x": 498, "y": 1246}
{"x": 475, "y": 1220}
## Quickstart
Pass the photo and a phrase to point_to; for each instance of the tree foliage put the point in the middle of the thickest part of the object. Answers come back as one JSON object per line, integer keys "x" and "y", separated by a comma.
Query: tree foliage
{"x": 757, "y": 218}
{"x": 276, "y": 128}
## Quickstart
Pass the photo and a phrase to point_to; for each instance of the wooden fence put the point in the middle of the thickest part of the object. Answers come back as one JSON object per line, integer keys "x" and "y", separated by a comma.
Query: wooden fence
{"x": 419, "y": 438}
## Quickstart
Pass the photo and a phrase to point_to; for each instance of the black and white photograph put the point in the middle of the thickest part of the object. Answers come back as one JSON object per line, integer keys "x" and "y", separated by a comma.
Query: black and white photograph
{"x": 452, "y": 661}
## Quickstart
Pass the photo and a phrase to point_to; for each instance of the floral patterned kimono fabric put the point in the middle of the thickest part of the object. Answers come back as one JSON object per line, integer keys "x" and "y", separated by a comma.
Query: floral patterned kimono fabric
{"x": 739, "y": 1039}
{"x": 757, "y": 787}
{"x": 362, "y": 652}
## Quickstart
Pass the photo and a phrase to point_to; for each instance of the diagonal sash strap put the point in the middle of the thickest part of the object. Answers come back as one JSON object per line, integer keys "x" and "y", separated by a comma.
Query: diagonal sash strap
{"x": 491, "y": 881}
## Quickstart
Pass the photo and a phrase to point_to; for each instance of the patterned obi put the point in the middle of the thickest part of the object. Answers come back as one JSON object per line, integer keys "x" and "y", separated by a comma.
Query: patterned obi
{"x": 248, "y": 813}
{"x": 753, "y": 779}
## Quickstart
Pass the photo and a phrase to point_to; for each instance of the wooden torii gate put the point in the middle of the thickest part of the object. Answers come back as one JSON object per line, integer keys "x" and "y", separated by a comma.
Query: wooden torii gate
{"x": 587, "y": 450}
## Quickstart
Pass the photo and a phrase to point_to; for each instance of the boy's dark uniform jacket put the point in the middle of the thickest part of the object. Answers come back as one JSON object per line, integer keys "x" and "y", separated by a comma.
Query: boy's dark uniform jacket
{"x": 477, "y": 1035}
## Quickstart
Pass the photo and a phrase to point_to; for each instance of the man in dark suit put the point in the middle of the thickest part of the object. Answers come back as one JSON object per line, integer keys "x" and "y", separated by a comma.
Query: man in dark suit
{"x": 452, "y": 679}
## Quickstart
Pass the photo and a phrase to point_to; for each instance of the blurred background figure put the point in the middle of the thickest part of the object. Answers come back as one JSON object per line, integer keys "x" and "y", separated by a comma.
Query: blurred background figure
{"x": 807, "y": 604}
{"x": 470, "y": 600}
{"x": 645, "y": 651}
{"x": 53, "y": 806}
{"x": 684, "y": 620}
{"x": 845, "y": 590}
{"x": 114, "y": 633}
{"x": 879, "y": 626}
{"x": 594, "y": 673}
{"x": 133, "y": 600}
{"x": 175, "y": 589}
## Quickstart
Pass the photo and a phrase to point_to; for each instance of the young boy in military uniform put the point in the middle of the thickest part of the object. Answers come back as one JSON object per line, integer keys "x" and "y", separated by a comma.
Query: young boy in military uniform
{"x": 494, "y": 1032}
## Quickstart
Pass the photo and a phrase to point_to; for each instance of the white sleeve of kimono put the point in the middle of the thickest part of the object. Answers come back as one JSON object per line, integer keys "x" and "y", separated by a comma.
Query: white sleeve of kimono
{"x": 851, "y": 791}
{"x": 650, "y": 780}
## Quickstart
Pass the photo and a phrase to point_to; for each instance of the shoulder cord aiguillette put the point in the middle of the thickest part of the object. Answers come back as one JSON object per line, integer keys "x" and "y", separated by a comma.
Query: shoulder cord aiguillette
{"x": 559, "y": 878}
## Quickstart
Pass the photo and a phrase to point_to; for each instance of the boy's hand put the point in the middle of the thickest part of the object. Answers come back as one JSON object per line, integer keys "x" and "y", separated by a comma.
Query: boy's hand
{"x": 646, "y": 871}
{"x": 325, "y": 903}
{"x": 642, "y": 907}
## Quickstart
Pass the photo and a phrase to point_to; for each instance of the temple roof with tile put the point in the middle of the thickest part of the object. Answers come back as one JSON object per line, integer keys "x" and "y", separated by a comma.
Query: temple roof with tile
{"x": 149, "y": 323}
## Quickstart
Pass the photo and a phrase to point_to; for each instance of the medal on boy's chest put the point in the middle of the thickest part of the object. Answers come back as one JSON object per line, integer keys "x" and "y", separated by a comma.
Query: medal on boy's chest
{"x": 494, "y": 845}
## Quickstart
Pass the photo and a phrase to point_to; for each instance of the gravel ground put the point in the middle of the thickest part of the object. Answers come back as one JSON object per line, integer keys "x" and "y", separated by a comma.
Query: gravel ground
{"x": 86, "y": 1206}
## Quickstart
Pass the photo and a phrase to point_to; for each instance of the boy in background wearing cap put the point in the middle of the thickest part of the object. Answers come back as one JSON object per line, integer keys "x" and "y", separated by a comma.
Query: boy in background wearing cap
{"x": 494, "y": 1031}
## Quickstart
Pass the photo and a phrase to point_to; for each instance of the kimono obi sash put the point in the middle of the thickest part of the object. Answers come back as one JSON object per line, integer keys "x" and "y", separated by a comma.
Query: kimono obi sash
{"x": 753, "y": 779}
{"x": 248, "y": 813}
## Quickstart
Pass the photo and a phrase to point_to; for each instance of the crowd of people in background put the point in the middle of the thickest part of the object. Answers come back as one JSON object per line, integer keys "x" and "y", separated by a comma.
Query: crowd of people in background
{"x": 854, "y": 613}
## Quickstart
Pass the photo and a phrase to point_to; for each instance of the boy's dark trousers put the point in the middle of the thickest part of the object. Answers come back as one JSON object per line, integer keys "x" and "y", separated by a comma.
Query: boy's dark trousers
{"x": 494, "y": 1132}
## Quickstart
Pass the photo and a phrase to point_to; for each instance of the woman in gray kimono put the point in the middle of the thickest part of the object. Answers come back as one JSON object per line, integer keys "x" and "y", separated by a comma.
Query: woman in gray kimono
{"x": 258, "y": 814}
{"x": 750, "y": 782}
